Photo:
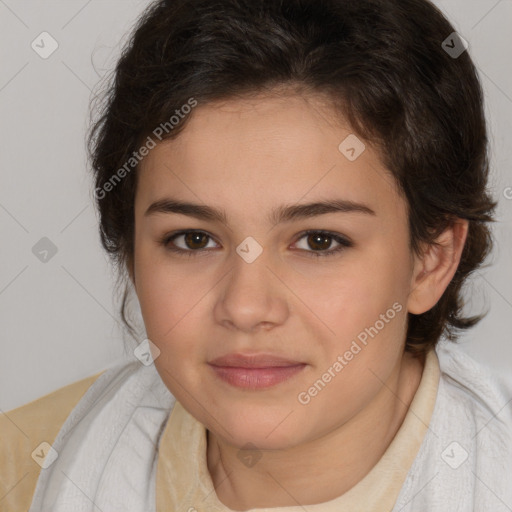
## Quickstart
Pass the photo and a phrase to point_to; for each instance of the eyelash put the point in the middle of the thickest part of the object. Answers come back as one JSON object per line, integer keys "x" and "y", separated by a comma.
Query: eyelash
{"x": 344, "y": 243}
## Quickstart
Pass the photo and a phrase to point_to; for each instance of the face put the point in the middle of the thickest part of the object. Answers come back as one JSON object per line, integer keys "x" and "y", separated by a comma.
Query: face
{"x": 333, "y": 302}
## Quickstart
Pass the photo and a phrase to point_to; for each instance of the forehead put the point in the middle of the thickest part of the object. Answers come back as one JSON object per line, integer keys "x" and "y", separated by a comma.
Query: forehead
{"x": 265, "y": 150}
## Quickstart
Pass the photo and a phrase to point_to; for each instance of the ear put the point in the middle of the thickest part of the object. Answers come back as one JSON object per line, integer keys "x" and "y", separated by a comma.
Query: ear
{"x": 435, "y": 268}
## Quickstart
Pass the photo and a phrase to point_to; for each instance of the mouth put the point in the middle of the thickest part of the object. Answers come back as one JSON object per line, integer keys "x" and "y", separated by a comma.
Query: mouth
{"x": 255, "y": 371}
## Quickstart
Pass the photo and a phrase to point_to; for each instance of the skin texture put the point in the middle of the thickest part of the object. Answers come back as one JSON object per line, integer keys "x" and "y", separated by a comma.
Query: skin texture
{"x": 247, "y": 156}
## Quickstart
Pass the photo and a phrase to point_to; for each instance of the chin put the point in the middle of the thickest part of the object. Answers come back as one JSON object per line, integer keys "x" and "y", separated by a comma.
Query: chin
{"x": 264, "y": 430}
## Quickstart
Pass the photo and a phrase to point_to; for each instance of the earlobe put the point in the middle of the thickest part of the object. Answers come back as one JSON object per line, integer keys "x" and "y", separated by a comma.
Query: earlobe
{"x": 435, "y": 268}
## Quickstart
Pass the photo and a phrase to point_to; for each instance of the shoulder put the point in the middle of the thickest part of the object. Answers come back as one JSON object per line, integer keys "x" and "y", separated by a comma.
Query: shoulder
{"x": 477, "y": 401}
{"x": 26, "y": 434}
{"x": 482, "y": 389}
{"x": 117, "y": 423}
{"x": 464, "y": 461}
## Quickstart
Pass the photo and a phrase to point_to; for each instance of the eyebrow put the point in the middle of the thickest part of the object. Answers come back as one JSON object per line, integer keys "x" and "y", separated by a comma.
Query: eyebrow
{"x": 285, "y": 213}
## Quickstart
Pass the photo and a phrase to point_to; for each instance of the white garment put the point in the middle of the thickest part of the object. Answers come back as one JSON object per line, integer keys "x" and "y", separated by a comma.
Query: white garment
{"x": 108, "y": 445}
{"x": 472, "y": 417}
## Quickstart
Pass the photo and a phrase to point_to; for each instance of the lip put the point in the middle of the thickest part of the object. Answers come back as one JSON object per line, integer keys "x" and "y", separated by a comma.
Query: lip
{"x": 256, "y": 371}
{"x": 253, "y": 361}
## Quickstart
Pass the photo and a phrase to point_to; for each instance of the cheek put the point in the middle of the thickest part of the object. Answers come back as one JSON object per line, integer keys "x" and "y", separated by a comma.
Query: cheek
{"x": 364, "y": 307}
{"x": 173, "y": 303}
{"x": 168, "y": 293}
{"x": 362, "y": 290}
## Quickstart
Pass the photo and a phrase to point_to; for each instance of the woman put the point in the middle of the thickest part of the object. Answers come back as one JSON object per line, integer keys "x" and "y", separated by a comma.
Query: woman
{"x": 296, "y": 191}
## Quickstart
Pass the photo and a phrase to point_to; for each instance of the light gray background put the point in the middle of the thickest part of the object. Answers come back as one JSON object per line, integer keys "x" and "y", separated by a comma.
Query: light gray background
{"x": 59, "y": 318}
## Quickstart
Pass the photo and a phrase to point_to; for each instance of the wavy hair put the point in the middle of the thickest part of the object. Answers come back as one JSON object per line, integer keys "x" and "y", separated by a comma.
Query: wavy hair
{"x": 383, "y": 64}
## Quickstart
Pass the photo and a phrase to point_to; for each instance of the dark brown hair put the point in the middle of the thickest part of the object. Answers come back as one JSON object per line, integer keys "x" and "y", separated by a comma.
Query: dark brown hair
{"x": 381, "y": 62}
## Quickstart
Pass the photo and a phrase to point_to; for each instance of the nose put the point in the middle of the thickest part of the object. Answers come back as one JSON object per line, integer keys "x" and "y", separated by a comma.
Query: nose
{"x": 252, "y": 296}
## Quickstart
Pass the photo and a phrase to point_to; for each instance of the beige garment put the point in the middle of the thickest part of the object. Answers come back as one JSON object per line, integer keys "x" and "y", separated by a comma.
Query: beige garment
{"x": 22, "y": 431}
{"x": 183, "y": 480}
{"x": 184, "y": 483}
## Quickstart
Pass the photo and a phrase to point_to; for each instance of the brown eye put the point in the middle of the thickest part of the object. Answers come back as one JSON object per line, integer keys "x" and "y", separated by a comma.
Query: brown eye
{"x": 195, "y": 240}
{"x": 190, "y": 242}
{"x": 318, "y": 243}
{"x": 195, "y": 243}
